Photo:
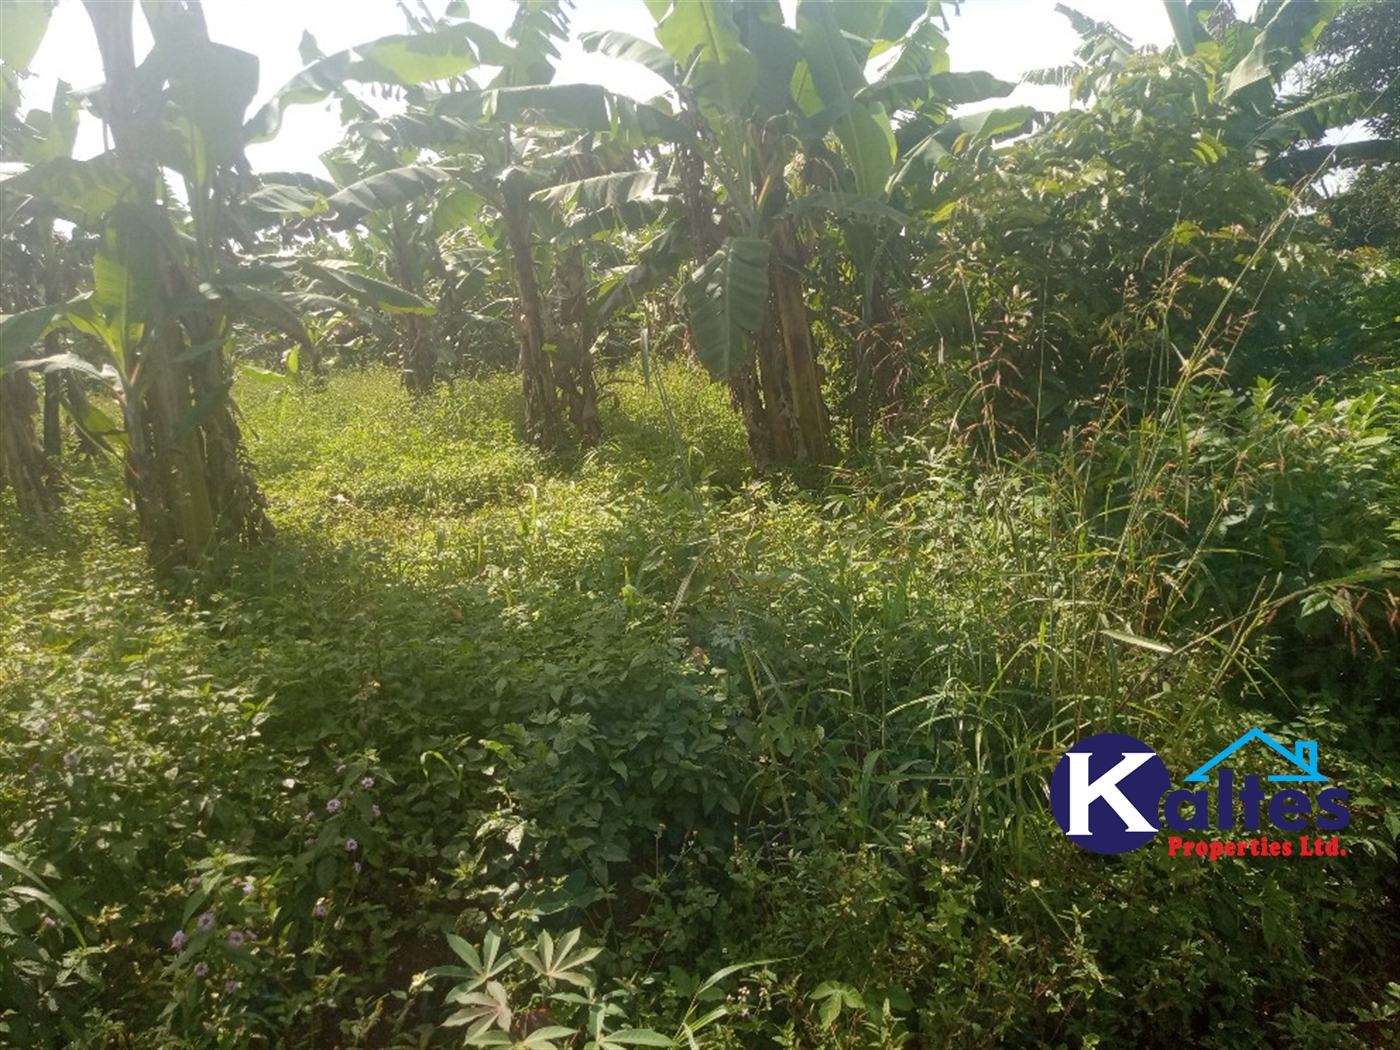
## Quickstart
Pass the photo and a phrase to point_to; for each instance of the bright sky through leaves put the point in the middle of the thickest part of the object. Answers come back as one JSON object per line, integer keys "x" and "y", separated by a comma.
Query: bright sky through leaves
{"x": 1004, "y": 37}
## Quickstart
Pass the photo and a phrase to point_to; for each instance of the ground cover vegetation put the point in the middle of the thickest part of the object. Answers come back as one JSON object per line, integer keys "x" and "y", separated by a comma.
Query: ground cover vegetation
{"x": 601, "y": 573}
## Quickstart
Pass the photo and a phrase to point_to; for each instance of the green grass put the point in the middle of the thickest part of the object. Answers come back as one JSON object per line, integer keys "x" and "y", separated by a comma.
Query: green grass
{"x": 705, "y": 719}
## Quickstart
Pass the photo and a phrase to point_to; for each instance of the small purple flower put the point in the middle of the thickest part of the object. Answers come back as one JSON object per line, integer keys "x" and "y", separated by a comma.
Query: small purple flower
{"x": 309, "y": 817}
{"x": 333, "y": 806}
{"x": 178, "y": 941}
{"x": 50, "y": 924}
{"x": 230, "y": 987}
{"x": 201, "y": 969}
{"x": 320, "y": 909}
{"x": 235, "y": 938}
{"x": 351, "y": 845}
{"x": 249, "y": 889}
{"x": 70, "y": 759}
{"x": 206, "y": 921}
{"x": 367, "y": 782}
{"x": 374, "y": 811}
{"x": 42, "y": 728}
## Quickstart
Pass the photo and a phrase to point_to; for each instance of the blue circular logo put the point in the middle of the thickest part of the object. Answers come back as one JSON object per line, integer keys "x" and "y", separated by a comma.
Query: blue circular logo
{"x": 1107, "y": 791}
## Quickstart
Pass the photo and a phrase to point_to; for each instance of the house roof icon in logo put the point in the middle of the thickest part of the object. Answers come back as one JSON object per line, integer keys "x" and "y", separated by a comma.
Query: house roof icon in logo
{"x": 1303, "y": 756}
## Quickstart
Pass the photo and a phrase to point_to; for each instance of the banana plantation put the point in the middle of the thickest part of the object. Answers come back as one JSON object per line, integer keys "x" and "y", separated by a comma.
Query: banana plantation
{"x": 753, "y": 561}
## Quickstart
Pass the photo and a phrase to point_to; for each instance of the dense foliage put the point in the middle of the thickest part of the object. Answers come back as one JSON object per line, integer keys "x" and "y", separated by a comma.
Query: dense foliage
{"x": 702, "y": 524}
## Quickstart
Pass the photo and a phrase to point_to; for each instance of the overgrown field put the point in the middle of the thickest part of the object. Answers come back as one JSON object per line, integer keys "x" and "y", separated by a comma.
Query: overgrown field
{"x": 779, "y": 749}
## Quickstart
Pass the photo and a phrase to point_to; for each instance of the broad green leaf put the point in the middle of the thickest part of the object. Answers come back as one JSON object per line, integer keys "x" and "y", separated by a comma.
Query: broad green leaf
{"x": 246, "y": 302}
{"x": 657, "y": 260}
{"x": 778, "y": 53}
{"x": 388, "y": 189}
{"x": 605, "y": 191}
{"x": 401, "y": 60}
{"x": 213, "y": 85}
{"x": 1291, "y": 29}
{"x": 629, "y": 48}
{"x": 580, "y": 107}
{"x": 22, "y": 27}
{"x": 51, "y": 134}
{"x": 288, "y": 200}
{"x": 863, "y": 129}
{"x": 82, "y": 191}
{"x": 702, "y": 37}
{"x": 458, "y": 207}
{"x": 638, "y": 1037}
{"x": 19, "y": 332}
{"x": 846, "y": 206}
{"x": 727, "y": 297}
{"x": 67, "y": 362}
{"x": 416, "y": 59}
{"x": 100, "y": 428}
{"x": 375, "y": 292}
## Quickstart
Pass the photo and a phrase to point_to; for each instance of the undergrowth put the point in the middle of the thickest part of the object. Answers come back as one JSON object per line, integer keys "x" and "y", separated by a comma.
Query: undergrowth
{"x": 780, "y": 751}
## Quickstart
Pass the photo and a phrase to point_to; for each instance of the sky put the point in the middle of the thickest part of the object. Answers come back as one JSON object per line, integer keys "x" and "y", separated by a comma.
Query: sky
{"x": 1004, "y": 37}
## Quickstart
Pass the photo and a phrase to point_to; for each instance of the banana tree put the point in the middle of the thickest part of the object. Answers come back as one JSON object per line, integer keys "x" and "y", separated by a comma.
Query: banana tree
{"x": 506, "y": 151}
{"x": 755, "y": 96}
{"x": 30, "y": 268}
{"x": 168, "y": 286}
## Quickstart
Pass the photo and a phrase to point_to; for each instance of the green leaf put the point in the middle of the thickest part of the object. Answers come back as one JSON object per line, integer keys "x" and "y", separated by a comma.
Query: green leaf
{"x": 25, "y": 23}
{"x": 416, "y": 59}
{"x": 288, "y": 200}
{"x": 278, "y": 309}
{"x": 400, "y": 60}
{"x": 629, "y": 48}
{"x": 845, "y": 206}
{"x": 387, "y": 189}
{"x": 98, "y": 427}
{"x": 581, "y": 107}
{"x": 560, "y": 961}
{"x": 864, "y": 130}
{"x": 19, "y": 332}
{"x": 458, "y": 207}
{"x": 702, "y": 37}
{"x": 657, "y": 260}
{"x": 81, "y": 191}
{"x": 727, "y": 297}
{"x": 1128, "y": 638}
{"x": 375, "y": 292}
{"x": 639, "y": 1037}
{"x": 1289, "y": 33}
{"x": 606, "y": 191}
{"x": 1185, "y": 25}
{"x": 213, "y": 85}
{"x": 67, "y": 362}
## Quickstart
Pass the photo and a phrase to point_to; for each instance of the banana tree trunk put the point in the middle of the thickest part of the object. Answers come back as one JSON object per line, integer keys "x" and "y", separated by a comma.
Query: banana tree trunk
{"x": 415, "y": 355}
{"x": 53, "y": 401}
{"x": 810, "y": 421}
{"x": 574, "y": 335}
{"x": 23, "y": 464}
{"x": 185, "y": 468}
{"x": 542, "y": 420}
{"x": 878, "y": 367}
{"x": 415, "y": 349}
